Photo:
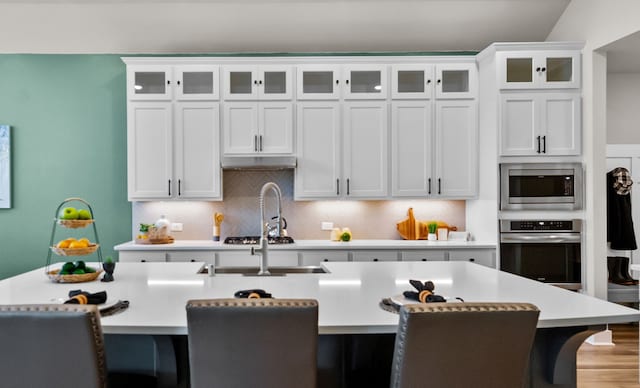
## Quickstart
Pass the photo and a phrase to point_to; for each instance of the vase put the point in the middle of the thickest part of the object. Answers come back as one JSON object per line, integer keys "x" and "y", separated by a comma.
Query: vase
{"x": 432, "y": 237}
{"x": 108, "y": 271}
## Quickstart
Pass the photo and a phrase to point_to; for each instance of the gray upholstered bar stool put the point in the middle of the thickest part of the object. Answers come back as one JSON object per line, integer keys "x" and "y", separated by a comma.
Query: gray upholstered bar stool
{"x": 461, "y": 345}
{"x": 246, "y": 343}
{"x": 53, "y": 346}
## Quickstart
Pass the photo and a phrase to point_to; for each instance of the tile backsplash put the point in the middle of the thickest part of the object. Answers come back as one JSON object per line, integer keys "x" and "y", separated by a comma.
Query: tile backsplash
{"x": 241, "y": 190}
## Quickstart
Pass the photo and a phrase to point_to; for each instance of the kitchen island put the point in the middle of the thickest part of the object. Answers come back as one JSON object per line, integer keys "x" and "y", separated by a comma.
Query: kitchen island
{"x": 348, "y": 295}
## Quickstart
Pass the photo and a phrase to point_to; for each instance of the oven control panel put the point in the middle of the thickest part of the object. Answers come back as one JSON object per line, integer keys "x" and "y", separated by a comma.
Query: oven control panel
{"x": 540, "y": 225}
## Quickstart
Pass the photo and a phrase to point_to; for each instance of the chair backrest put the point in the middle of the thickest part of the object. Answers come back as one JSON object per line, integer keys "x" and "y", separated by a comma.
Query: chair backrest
{"x": 460, "y": 345}
{"x": 244, "y": 343}
{"x": 53, "y": 346}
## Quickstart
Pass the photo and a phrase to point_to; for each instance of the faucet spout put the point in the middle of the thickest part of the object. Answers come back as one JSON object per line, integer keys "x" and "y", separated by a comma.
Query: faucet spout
{"x": 263, "y": 251}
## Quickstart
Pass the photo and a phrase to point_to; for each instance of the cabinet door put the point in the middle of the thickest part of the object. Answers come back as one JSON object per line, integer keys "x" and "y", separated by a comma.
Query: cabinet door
{"x": 560, "y": 122}
{"x": 539, "y": 69}
{"x": 149, "y": 83}
{"x": 411, "y": 148}
{"x": 240, "y": 126}
{"x": 197, "y": 160}
{"x": 412, "y": 81}
{"x": 519, "y": 124}
{"x": 141, "y": 256}
{"x": 197, "y": 82}
{"x": 275, "y": 123}
{"x": 240, "y": 83}
{"x": 375, "y": 256}
{"x": 318, "y": 149}
{"x": 245, "y": 259}
{"x": 424, "y": 255}
{"x": 365, "y": 82}
{"x": 318, "y": 82}
{"x": 318, "y": 257}
{"x": 365, "y": 149}
{"x": 456, "y": 163}
{"x": 191, "y": 256}
{"x": 149, "y": 150}
{"x": 456, "y": 80}
{"x": 274, "y": 83}
{"x": 486, "y": 257}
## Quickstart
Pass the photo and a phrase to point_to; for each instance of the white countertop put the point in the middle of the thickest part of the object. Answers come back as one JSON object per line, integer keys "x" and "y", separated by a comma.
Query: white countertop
{"x": 348, "y": 296}
{"x": 208, "y": 245}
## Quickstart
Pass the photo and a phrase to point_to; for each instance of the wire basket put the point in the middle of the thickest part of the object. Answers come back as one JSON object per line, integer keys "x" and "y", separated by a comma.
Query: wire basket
{"x": 74, "y": 224}
{"x": 73, "y": 278}
{"x": 75, "y": 251}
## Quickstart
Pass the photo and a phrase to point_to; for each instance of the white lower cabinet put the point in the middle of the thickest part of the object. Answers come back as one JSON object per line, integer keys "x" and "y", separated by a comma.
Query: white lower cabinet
{"x": 315, "y": 258}
{"x": 486, "y": 257}
{"x": 375, "y": 255}
{"x": 245, "y": 259}
{"x": 166, "y": 256}
{"x": 425, "y": 255}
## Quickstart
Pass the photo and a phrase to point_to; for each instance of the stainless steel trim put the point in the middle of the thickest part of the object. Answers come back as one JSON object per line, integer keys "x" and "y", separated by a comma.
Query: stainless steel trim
{"x": 540, "y": 237}
{"x": 576, "y": 227}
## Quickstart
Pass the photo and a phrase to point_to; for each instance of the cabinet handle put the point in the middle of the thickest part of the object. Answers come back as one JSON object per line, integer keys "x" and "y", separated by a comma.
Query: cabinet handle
{"x": 538, "y": 151}
{"x": 260, "y": 138}
{"x": 375, "y": 259}
{"x": 429, "y": 182}
{"x": 439, "y": 81}
{"x": 169, "y": 187}
{"x": 347, "y": 81}
{"x": 143, "y": 261}
{"x": 325, "y": 260}
{"x": 428, "y": 81}
{"x": 255, "y": 81}
{"x": 337, "y": 81}
{"x": 178, "y": 82}
{"x": 544, "y": 144}
{"x": 348, "y": 189}
{"x": 338, "y": 186}
{"x": 260, "y": 82}
{"x": 538, "y": 69}
{"x": 439, "y": 186}
{"x": 193, "y": 260}
{"x": 472, "y": 260}
{"x": 544, "y": 69}
{"x": 423, "y": 259}
{"x": 179, "y": 187}
{"x": 168, "y": 82}
{"x": 255, "y": 143}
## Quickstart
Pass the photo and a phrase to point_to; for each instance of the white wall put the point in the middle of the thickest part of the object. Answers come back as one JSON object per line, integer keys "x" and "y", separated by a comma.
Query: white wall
{"x": 597, "y": 23}
{"x": 623, "y": 108}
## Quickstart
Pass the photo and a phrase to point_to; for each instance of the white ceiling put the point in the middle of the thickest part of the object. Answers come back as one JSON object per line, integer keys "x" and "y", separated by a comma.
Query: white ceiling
{"x": 218, "y": 26}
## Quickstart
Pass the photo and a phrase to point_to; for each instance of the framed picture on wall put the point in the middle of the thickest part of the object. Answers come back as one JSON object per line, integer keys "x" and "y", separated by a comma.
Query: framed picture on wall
{"x": 5, "y": 166}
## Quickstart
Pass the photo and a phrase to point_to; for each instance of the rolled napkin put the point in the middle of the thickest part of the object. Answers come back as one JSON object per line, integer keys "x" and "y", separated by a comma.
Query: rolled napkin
{"x": 83, "y": 297}
{"x": 425, "y": 292}
{"x": 252, "y": 294}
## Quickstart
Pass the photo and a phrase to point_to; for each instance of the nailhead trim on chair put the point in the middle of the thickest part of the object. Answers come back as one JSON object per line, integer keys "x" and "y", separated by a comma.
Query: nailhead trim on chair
{"x": 94, "y": 317}
{"x": 241, "y": 302}
{"x": 468, "y": 307}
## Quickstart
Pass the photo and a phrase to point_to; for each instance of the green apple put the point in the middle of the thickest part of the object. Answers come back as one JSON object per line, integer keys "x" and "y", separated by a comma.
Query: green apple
{"x": 84, "y": 214}
{"x": 69, "y": 213}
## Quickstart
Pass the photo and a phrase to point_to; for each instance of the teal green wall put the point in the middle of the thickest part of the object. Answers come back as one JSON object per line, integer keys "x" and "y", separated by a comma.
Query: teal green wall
{"x": 68, "y": 125}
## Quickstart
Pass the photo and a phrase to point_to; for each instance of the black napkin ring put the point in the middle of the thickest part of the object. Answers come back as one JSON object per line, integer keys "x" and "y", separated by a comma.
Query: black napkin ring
{"x": 252, "y": 294}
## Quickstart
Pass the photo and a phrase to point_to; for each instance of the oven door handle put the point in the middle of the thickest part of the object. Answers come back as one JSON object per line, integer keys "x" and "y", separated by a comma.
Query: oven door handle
{"x": 544, "y": 238}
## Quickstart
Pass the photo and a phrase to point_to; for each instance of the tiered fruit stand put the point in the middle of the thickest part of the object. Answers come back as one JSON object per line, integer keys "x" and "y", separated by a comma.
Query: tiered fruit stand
{"x": 54, "y": 275}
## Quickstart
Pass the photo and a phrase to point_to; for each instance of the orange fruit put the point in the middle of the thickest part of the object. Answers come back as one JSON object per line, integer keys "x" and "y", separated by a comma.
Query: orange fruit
{"x": 86, "y": 240}
{"x": 78, "y": 244}
{"x": 63, "y": 244}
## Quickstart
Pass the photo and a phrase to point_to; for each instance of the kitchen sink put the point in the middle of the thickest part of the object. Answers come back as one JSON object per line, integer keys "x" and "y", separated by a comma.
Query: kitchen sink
{"x": 277, "y": 271}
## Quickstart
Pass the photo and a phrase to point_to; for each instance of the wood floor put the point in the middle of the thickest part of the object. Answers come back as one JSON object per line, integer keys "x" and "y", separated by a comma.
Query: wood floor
{"x": 610, "y": 366}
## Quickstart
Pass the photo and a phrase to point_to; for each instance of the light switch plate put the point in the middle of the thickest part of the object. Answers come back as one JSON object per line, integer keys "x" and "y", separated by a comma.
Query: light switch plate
{"x": 176, "y": 227}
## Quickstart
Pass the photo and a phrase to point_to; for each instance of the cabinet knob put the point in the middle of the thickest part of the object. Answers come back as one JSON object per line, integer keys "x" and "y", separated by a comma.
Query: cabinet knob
{"x": 337, "y": 81}
{"x": 428, "y": 81}
{"x": 168, "y": 82}
{"x": 178, "y": 82}
{"x": 255, "y": 82}
{"x": 439, "y": 81}
{"x": 375, "y": 259}
{"x": 423, "y": 259}
{"x": 544, "y": 69}
{"x": 325, "y": 260}
{"x": 347, "y": 81}
{"x": 472, "y": 259}
{"x": 143, "y": 261}
{"x": 260, "y": 82}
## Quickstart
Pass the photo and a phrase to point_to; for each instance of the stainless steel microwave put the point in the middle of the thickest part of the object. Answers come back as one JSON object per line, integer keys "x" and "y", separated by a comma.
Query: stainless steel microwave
{"x": 541, "y": 186}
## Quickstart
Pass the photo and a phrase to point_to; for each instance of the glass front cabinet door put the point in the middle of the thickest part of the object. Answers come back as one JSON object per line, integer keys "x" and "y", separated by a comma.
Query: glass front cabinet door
{"x": 149, "y": 82}
{"x": 318, "y": 82}
{"x": 539, "y": 70}
{"x": 412, "y": 82}
{"x": 456, "y": 81}
{"x": 270, "y": 82}
{"x": 195, "y": 82}
{"x": 365, "y": 82}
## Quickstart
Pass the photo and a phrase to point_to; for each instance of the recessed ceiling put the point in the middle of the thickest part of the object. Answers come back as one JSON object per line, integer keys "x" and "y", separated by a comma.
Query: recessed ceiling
{"x": 219, "y": 26}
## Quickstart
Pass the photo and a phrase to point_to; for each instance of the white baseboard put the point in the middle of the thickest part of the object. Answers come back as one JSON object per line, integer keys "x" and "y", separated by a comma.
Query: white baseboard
{"x": 602, "y": 338}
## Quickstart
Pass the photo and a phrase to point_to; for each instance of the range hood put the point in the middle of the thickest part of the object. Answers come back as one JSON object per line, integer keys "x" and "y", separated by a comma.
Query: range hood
{"x": 258, "y": 162}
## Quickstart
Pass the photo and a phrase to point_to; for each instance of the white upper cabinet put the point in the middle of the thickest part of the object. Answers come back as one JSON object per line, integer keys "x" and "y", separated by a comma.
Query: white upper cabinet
{"x": 185, "y": 82}
{"x": 557, "y": 69}
{"x": 412, "y": 81}
{"x": 458, "y": 80}
{"x": 264, "y": 127}
{"x": 365, "y": 82}
{"x": 350, "y": 82}
{"x": 318, "y": 82}
{"x": 248, "y": 82}
{"x": 540, "y": 124}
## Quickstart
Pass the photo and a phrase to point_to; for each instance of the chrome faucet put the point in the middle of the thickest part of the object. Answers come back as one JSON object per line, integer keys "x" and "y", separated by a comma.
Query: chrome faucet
{"x": 263, "y": 251}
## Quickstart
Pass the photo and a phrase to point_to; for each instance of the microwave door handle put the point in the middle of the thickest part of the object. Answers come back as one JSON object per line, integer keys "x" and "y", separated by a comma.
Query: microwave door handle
{"x": 519, "y": 237}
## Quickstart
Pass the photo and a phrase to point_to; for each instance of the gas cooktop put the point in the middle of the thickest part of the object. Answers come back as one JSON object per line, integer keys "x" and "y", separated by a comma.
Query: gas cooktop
{"x": 254, "y": 240}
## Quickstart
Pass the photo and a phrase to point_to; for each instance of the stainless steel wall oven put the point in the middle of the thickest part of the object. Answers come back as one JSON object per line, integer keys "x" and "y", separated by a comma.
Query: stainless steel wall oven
{"x": 547, "y": 251}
